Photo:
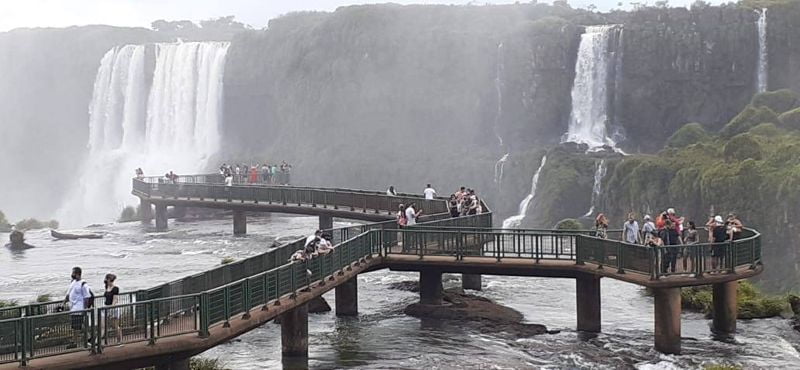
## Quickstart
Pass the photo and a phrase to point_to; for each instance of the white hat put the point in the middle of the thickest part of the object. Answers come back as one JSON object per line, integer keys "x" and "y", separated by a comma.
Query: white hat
{"x": 647, "y": 217}
{"x": 718, "y": 219}
{"x": 671, "y": 211}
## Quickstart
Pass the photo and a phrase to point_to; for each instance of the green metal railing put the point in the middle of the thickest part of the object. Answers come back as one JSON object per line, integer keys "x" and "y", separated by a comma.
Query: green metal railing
{"x": 198, "y": 303}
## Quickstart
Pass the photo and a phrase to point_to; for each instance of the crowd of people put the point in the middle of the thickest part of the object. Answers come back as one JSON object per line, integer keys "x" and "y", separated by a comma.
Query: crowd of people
{"x": 464, "y": 202}
{"x": 675, "y": 236}
{"x": 265, "y": 173}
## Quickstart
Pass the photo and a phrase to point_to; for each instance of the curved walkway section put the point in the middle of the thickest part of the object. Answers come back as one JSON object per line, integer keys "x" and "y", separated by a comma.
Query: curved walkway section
{"x": 178, "y": 319}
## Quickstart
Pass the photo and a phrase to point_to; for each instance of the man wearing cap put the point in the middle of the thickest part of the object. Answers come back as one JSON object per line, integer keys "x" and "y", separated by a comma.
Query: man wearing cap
{"x": 720, "y": 235}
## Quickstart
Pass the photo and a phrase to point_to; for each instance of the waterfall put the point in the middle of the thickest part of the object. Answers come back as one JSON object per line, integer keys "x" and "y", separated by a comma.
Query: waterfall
{"x": 762, "y": 51}
{"x": 498, "y": 87}
{"x": 173, "y": 126}
{"x": 498, "y": 170}
{"x": 599, "y": 173}
{"x": 589, "y": 120}
{"x": 514, "y": 221}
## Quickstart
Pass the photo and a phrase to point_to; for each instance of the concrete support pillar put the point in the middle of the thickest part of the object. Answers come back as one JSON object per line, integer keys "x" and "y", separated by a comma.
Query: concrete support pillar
{"x": 668, "y": 320}
{"x": 145, "y": 211}
{"x": 725, "y": 310}
{"x": 161, "y": 217}
{"x": 325, "y": 222}
{"x": 471, "y": 281}
{"x": 347, "y": 298}
{"x": 178, "y": 364}
{"x": 430, "y": 287}
{"x": 294, "y": 332}
{"x": 587, "y": 291}
{"x": 239, "y": 223}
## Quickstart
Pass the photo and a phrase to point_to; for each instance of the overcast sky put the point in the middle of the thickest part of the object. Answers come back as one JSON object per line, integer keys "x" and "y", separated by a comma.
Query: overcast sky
{"x": 61, "y": 13}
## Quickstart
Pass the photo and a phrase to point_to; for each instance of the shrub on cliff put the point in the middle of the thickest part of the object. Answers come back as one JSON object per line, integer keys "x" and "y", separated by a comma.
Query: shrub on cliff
{"x": 750, "y": 117}
{"x": 778, "y": 101}
{"x": 742, "y": 147}
{"x": 690, "y": 133}
{"x": 4, "y": 226}
{"x": 128, "y": 214}
{"x": 766, "y": 129}
{"x": 569, "y": 224}
{"x": 791, "y": 119}
{"x": 750, "y": 302}
{"x": 33, "y": 224}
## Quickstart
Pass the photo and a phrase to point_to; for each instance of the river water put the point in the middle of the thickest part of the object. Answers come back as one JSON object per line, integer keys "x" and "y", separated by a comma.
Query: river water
{"x": 382, "y": 336}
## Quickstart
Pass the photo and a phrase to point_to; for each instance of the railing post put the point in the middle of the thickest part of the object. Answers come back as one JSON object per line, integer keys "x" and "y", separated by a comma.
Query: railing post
{"x": 151, "y": 322}
{"x": 246, "y": 300}
{"x": 700, "y": 261}
{"x": 25, "y": 340}
{"x": 579, "y": 250}
{"x": 98, "y": 330}
{"x": 732, "y": 257}
{"x": 653, "y": 263}
{"x": 226, "y": 294}
{"x": 204, "y": 303}
{"x": 620, "y": 258}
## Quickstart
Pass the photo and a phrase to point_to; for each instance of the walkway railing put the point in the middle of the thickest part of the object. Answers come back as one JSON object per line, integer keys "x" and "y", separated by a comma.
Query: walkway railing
{"x": 197, "y": 303}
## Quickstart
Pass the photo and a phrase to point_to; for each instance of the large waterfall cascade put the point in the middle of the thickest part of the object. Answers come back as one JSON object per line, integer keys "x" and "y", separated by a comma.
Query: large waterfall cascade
{"x": 599, "y": 174}
{"x": 762, "y": 50}
{"x": 514, "y": 221}
{"x": 172, "y": 127}
{"x": 589, "y": 118}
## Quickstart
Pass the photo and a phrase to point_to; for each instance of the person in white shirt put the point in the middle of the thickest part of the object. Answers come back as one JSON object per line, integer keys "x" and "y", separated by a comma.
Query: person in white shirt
{"x": 429, "y": 192}
{"x": 229, "y": 180}
{"x": 77, "y": 295}
{"x": 411, "y": 215}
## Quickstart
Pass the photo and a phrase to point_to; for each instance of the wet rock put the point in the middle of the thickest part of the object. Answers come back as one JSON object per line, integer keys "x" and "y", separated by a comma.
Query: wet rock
{"x": 408, "y": 286}
{"x": 489, "y": 315}
{"x": 318, "y": 305}
{"x": 17, "y": 240}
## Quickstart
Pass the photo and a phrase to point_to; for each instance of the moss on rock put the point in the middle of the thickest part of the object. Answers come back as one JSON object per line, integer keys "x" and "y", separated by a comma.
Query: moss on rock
{"x": 690, "y": 133}
{"x": 569, "y": 224}
{"x": 766, "y": 129}
{"x": 747, "y": 119}
{"x": 741, "y": 147}
{"x": 790, "y": 119}
{"x": 778, "y": 101}
{"x": 751, "y": 303}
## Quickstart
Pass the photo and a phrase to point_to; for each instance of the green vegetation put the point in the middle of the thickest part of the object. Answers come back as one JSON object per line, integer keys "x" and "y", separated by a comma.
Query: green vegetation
{"x": 4, "y": 225}
{"x": 200, "y": 363}
{"x": 751, "y": 302}
{"x": 43, "y": 298}
{"x": 569, "y": 224}
{"x": 750, "y": 117}
{"x": 33, "y": 224}
{"x": 8, "y": 303}
{"x": 227, "y": 260}
{"x": 128, "y": 214}
{"x": 782, "y": 100}
{"x": 721, "y": 367}
{"x": 790, "y": 119}
{"x": 691, "y": 133}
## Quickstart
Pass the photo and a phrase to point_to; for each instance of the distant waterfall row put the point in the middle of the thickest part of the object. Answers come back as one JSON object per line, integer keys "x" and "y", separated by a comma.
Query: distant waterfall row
{"x": 172, "y": 125}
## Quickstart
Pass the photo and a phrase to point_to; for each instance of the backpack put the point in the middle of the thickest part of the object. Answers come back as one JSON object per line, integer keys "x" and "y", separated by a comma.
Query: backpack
{"x": 88, "y": 302}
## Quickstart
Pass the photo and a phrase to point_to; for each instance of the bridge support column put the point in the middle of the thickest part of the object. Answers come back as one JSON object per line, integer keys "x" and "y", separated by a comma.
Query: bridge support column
{"x": 179, "y": 364}
{"x": 294, "y": 332}
{"x": 471, "y": 281}
{"x": 725, "y": 310}
{"x": 239, "y": 223}
{"x": 430, "y": 287}
{"x": 145, "y": 211}
{"x": 587, "y": 292}
{"x": 325, "y": 222}
{"x": 668, "y": 320}
{"x": 161, "y": 217}
{"x": 347, "y": 298}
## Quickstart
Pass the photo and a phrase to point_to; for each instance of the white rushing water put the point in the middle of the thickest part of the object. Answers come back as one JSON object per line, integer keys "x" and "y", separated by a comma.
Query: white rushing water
{"x": 172, "y": 127}
{"x": 498, "y": 170}
{"x": 599, "y": 173}
{"x": 589, "y": 121}
{"x": 498, "y": 87}
{"x": 516, "y": 220}
{"x": 762, "y": 50}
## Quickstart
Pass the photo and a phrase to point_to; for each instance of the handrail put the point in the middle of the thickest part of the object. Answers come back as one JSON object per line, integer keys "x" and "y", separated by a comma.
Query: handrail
{"x": 195, "y": 303}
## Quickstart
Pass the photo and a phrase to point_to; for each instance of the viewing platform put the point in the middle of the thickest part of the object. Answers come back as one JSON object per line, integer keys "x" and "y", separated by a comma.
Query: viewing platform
{"x": 165, "y": 325}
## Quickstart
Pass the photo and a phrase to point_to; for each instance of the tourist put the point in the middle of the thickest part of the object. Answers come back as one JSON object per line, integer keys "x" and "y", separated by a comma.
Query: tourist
{"x": 273, "y": 170}
{"x": 474, "y": 204}
{"x": 677, "y": 221}
{"x": 139, "y": 173}
{"x": 411, "y": 215}
{"x": 720, "y": 236}
{"x": 631, "y": 230}
{"x": 690, "y": 238}
{"x": 311, "y": 240}
{"x": 402, "y": 221}
{"x": 253, "y": 174}
{"x": 285, "y": 170}
{"x": 324, "y": 246}
{"x": 80, "y": 298}
{"x": 452, "y": 204}
{"x": 671, "y": 239}
{"x": 429, "y": 192}
{"x": 648, "y": 228}
{"x": 466, "y": 205}
{"x": 601, "y": 226}
{"x": 229, "y": 180}
{"x": 111, "y": 296}
{"x": 735, "y": 226}
{"x": 391, "y": 191}
{"x": 461, "y": 193}
{"x": 264, "y": 173}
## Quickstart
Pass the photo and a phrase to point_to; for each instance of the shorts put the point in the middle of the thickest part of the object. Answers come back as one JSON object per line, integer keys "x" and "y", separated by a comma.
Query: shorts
{"x": 76, "y": 321}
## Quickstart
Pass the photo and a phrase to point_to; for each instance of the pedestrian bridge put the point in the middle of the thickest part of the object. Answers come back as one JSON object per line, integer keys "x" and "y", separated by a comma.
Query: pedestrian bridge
{"x": 165, "y": 325}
